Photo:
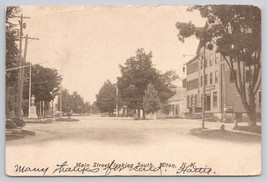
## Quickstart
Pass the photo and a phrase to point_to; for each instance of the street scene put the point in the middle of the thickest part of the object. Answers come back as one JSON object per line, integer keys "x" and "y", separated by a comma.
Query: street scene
{"x": 133, "y": 90}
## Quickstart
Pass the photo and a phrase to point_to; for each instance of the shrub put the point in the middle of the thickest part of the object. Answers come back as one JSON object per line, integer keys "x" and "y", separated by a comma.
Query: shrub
{"x": 10, "y": 124}
{"x": 18, "y": 122}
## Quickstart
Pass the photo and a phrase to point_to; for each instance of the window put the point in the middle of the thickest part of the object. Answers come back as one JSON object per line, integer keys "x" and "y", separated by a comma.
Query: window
{"x": 196, "y": 101}
{"x": 200, "y": 100}
{"x": 216, "y": 57}
{"x": 259, "y": 98}
{"x": 188, "y": 101}
{"x": 201, "y": 64}
{"x": 211, "y": 60}
{"x": 201, "y": 81}
{"x": 211, "y": 79}
{"x": 233, "y": 75}
{"x": 215, "y": 99}
{"x": 216, "y": 77}
{"x": 248, "y": 75}
{"x": 206, "y": 79}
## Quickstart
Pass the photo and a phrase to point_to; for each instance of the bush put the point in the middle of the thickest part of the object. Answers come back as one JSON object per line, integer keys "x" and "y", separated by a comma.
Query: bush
{"x": 18, "y": 122}
{"x": 10, "y": 124}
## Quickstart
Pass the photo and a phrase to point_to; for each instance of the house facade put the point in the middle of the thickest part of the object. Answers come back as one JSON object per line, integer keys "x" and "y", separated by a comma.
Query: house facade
{"x": 222, "y": 101}
{"x": 178, "y": 103}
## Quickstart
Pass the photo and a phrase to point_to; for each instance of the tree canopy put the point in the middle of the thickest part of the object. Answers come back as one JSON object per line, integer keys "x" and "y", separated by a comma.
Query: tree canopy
{"x": 151, "y": 100}
{"x": 136, "y": 73}
{"x": 45, "y": 83}
{"x": 106, "y": 98}
{"x": 11, "y": 46}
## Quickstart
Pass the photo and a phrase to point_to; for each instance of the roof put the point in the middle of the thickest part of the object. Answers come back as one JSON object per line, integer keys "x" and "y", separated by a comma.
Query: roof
{"x": 179, "y": 95}
{"x": 191, "y": 60}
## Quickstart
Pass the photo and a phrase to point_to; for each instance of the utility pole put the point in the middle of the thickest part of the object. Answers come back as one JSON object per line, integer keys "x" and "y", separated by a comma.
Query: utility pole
{"x": 22, "y": 26}
{"x": 204, "y": 87}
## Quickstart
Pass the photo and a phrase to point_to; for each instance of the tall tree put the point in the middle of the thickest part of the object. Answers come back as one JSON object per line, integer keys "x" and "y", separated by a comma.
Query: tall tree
{"x": 11, "y": 58}
{"x": 106, "y": 98}
{"x": 136, "y": 74}
{"x": 151, "y": 100}
{"x": 236, "y": 32}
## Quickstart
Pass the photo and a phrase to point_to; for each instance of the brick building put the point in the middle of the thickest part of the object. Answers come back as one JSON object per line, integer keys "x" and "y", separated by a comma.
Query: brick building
{"x": 222, "y": 101}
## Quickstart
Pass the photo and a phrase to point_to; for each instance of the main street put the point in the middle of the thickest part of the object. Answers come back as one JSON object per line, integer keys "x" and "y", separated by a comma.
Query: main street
{"x": 104, "y": 139}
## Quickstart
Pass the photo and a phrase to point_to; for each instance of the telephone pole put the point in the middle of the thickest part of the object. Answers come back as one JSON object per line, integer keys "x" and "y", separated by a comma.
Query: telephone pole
{"x": 22, "y": 61}
{"x": 22, "y": 26}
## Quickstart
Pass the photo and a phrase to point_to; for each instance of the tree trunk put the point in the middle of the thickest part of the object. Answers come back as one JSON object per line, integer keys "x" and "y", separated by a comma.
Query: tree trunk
{"x": 251, "y": 108}
{"x": 138, "y": 114}
{"x": 154, "y": 115}
{"x": 144, "y": 114}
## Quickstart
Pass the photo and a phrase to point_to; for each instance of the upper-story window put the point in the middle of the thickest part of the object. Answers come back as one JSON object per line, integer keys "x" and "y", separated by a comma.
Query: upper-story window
{"x": 206, "y": 79}
{"x": 211, "y": 79}
{"x": 216, "y": 77}
{"x": 211, "y": 59}
{"x": 216, "y": 57}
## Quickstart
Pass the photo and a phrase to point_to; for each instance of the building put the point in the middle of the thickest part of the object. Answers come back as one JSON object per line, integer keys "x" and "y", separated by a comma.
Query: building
{"x": 222, "y": 101}
{"x": 178, "y": 103}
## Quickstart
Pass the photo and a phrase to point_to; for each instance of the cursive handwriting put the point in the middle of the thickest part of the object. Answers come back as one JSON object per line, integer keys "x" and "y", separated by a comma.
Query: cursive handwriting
{"x": 192, "y": 168}
{"x": 63, "y": 168}
{"x": 23, "y": 169}
{"x": 115, "y": 167}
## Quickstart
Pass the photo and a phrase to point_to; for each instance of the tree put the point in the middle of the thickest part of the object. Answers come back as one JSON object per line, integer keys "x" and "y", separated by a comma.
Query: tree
{"x": 136, "y": 73}
{"x": 151, "y": 100}
{"x": 11, "y": 58}
{"x": 94, "y": 108}
{"x": 73, "y": 102}
{"x": 11, "y": 46}
{"x": 106, "y": 98}
{"x": 45, "y": 85}
{"x": 236, "y": 32}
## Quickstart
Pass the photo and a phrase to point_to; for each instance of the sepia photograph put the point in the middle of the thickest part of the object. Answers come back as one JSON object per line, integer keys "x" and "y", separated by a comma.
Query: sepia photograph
{"x": 133, "y": 90}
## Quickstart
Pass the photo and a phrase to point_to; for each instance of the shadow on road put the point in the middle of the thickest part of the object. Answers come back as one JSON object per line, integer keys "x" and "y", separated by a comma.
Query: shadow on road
{"x": 227, "y": 135}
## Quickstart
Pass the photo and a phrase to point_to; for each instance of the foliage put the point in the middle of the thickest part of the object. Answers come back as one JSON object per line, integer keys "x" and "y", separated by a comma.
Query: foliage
{"x": 136, "y": 73}
{"x": 18, "y": 122}
{"x": 45, "y": 83}
{"x": 106, "y": 98}
{"x": 11, "y": 46}
{"x": 72, "y": 102}
{"x": 236, "y": 32}
{"x": 94, "y": 108}
{"x": 151, "y": 100}
{"x": 10, "y": 124}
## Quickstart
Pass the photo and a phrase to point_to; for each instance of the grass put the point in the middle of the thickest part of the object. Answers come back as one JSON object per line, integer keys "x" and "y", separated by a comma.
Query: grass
{"x": 252, "y": 129}
{"x": 225, "y": 135}
{"x": 20, "y": 135}
{"x": 67, "y": 119}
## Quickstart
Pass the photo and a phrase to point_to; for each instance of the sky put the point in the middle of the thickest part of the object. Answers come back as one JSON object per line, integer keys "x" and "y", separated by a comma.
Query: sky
{"x": 87, "y": 43}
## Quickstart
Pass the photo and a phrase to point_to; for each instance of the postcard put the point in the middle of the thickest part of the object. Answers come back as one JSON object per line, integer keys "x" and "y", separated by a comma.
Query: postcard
{"x": 158, "y": 90}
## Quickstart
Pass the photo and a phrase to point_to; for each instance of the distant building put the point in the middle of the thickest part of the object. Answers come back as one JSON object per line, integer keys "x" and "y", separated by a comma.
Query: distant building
{"x": 222, "y": 100}
{"x": 178, "y": 103}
